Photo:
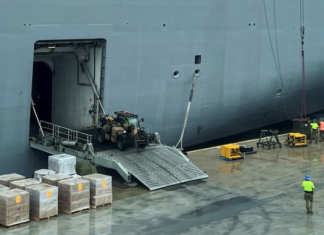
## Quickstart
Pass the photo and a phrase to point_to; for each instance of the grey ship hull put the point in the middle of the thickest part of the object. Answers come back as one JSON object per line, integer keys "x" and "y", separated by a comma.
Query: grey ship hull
{"x": 146, "y": 41}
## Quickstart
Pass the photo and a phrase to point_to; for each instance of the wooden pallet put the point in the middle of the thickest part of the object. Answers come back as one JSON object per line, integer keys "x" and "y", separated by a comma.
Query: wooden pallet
{"x": 95, "y": 207}
{"x": 15, "y": 225}
{"x": 230, "y": 160}
{"x": 75, "y": 212}
{"x": 47, "y": 218}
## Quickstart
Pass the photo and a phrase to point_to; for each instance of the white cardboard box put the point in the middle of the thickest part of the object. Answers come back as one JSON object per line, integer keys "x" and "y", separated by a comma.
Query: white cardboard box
{"x": 62, "y": 163}
{"x": 74, "y": 195}
{"x": 43, "y": 201}
{"x": 100, "y": 189}
{"x": 14, "y": 207}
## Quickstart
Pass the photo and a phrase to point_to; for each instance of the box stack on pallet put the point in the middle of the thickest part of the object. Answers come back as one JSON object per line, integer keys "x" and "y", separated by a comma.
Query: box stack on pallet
{"x": 22, "y": 184}
{"x": 43, "y": 201}
{"x": 63, "y": 163}
{"x": 14, "y": 207}
{"x": 58, "y": 188}
{"x": 100, "y": 189}
{"x": 74, "y": 195}
{"x": 6, "y": 179}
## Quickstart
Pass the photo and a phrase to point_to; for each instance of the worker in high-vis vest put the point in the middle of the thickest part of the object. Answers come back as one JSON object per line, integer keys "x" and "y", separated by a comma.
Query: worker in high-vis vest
{"x": 321, "y": 128}
{"x": 314, "y": 130}
{"x": 308, "y": 193}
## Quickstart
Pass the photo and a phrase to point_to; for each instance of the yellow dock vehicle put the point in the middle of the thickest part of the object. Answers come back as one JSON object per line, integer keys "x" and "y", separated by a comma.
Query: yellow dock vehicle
{"x": 296, "y": 140}
{"x": 231, "y": 152}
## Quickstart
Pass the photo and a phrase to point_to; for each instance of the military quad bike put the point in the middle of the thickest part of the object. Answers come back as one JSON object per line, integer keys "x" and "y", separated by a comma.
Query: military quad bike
{"x": 124, "y": 130}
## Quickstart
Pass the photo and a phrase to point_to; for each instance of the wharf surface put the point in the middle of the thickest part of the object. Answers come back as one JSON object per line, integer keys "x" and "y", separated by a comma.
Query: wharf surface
{"x": 259, "y": 195}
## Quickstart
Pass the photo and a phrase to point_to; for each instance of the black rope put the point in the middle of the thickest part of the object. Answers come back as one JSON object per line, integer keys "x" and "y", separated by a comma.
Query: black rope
{"x": 303, "y": 12}
{"x": 277, "y": 61}
{"x": 266, "y": 16}
{"x": 300, "y": 14}
{"x": 275, "y": 24}
{"x": 302, "y": 34}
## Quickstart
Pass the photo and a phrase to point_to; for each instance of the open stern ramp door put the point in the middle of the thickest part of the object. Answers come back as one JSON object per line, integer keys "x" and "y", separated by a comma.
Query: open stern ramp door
{"x": 156, "y": 166}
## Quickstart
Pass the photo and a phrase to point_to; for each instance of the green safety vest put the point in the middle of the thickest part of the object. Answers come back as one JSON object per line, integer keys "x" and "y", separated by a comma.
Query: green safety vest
{"x": 308, "y": 186}
{"x": 314, "y": 126}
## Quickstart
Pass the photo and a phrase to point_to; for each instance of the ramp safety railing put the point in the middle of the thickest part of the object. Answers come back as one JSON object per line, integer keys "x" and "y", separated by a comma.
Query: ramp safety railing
{"x": 52, "y": 131}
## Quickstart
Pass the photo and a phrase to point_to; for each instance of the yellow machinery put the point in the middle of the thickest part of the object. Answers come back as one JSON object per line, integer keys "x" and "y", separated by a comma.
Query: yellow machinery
{"x": 296, "y": 140}
{"x": 231, "y": 152}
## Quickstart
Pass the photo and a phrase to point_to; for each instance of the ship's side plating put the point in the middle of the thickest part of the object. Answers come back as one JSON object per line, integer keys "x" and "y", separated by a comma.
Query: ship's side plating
{"x": 151, "y": 49}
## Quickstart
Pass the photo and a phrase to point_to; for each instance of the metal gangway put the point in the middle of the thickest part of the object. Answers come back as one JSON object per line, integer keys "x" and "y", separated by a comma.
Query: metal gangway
{"x": 156, "y": 166}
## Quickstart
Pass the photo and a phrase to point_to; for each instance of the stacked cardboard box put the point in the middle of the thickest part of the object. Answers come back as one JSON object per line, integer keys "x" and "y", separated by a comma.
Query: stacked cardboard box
{"x": 62, "y": 163}
{"x": 74, "y": 195}
{"x": 14, "y": 207}
{"x": 2, "y": 187}
{"x": 100, "y": 189}
{"x": 43, "y": 201}
{"x": 54, "y": 179}
{"x": 41, "y": 173}
{"x": 6, "y": 179}
{"x": 21, "y": 184}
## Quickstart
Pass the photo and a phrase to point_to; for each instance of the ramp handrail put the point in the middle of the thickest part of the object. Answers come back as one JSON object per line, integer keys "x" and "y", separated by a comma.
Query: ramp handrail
{"x": 63, "y": 133}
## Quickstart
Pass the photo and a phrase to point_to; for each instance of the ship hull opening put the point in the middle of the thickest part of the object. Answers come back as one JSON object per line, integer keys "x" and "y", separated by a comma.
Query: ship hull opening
{"x": 41, "y": 95}
{"x": 61, "y": 90}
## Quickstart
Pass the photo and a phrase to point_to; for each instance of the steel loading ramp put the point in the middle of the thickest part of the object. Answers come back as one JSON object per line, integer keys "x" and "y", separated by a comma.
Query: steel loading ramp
{"x": 156, "y": 166}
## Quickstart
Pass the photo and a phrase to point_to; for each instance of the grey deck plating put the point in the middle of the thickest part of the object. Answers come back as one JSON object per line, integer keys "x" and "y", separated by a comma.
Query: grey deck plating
{"x": 156, "y": 167}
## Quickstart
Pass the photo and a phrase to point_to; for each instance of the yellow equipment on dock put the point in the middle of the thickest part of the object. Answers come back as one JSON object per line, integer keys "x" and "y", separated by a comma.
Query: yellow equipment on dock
{"x": 231, "y": 152}
{"x": 296, "y": 140}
